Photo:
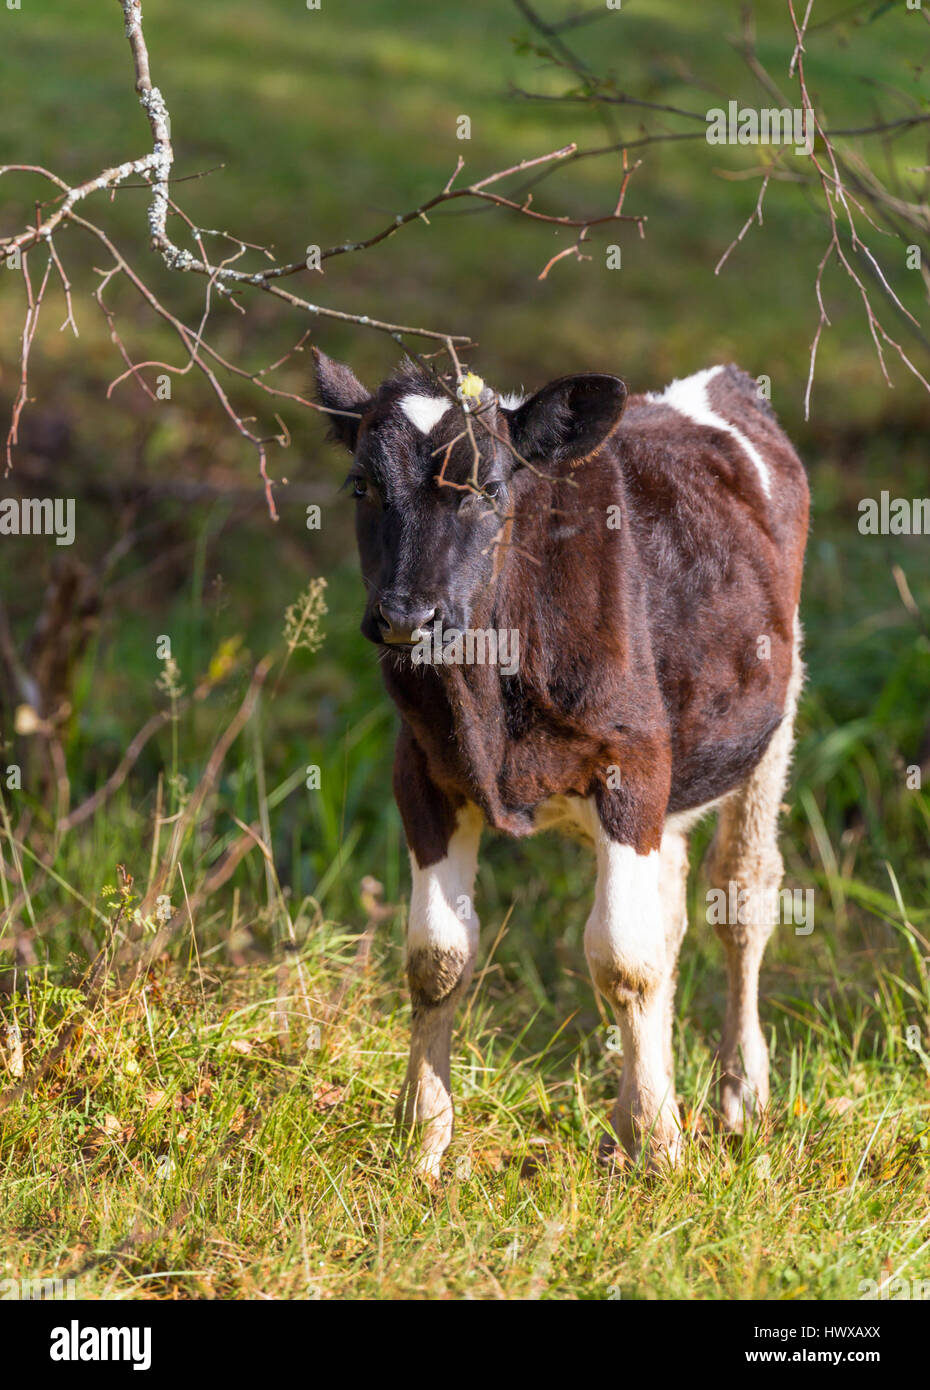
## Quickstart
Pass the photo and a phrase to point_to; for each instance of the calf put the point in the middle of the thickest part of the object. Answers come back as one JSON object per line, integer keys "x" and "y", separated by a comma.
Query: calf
{"x": 644, "y": 553}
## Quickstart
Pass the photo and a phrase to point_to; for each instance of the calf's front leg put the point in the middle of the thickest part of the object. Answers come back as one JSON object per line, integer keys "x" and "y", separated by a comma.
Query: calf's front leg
{"x": 442, "y": 940}
{"x": 632, "y": 965}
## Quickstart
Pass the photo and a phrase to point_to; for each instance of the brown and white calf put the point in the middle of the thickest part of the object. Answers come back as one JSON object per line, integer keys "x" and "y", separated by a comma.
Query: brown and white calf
{"x": 647, "y": 553}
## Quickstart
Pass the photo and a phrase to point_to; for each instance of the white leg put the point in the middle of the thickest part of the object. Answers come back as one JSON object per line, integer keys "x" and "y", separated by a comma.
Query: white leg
{"x": 673, "y": 890}
{"x": 627, "y": 955}
{"x": 745, "y": 853}
{"x": 442, "y": 939}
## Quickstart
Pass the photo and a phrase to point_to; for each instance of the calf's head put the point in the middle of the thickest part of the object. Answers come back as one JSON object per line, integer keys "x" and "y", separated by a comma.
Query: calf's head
{"x": 430, "y": 519}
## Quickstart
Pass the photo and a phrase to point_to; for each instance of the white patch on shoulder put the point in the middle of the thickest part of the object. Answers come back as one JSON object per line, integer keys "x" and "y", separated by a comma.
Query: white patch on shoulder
{"x": 424, "y": 411}
{"x": 511, "y": 400}
{"x": 688, "y": 396}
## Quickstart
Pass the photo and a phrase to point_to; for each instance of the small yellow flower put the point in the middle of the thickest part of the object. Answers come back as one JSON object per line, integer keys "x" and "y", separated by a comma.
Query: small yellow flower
{"x": 26, "y": 721}
{"x": 470, "y": 388}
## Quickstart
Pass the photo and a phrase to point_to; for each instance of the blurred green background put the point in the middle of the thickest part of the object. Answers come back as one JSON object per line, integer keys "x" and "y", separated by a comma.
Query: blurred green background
{"x": 327, "y": 124}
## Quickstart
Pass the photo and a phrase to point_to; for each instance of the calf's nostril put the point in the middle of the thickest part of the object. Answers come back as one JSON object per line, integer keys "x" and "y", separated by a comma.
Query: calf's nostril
{"x": 403, "y": 623}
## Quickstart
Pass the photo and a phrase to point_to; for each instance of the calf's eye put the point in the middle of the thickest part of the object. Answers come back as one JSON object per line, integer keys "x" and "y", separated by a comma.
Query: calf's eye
{"x": 359, "y": 487}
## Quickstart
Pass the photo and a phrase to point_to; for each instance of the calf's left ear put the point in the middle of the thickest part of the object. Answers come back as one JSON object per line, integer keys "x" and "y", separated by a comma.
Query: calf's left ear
{"x": 341, "y": 391}
{"x": 568, "y": 419}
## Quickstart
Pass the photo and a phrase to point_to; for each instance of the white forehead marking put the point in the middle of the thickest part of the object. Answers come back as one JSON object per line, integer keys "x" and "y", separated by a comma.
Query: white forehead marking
{"x": 424, "y": 411}
{"x": 689, "y": 397}
{"x": 512, "y": 399}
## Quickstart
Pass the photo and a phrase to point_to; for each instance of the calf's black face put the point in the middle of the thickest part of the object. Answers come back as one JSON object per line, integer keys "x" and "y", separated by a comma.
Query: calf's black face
{"x": 429, "y": 520}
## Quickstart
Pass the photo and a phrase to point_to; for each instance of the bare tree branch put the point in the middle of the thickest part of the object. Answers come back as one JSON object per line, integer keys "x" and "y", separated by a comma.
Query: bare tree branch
{"x": 224, "y": 277}
{"x": 848, "y": 185}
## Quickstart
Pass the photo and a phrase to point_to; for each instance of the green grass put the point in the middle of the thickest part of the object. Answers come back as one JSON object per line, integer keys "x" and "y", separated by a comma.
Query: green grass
{"x": 284, "y": 1181}
{"x": 280, "y": 1157}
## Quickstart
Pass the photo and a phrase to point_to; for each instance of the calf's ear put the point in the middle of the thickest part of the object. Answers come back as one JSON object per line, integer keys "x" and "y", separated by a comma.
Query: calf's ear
{"x": 568, "y": 419}
{"x": 339, "y": 389}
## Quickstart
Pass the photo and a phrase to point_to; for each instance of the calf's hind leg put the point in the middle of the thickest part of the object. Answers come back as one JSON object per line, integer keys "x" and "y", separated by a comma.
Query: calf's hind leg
{"x": 673, "y": 892}
{"x": 745, "y": 853}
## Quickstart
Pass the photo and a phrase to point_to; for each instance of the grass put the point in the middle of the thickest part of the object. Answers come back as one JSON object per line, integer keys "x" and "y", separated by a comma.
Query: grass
{"x": 173, "y": 1140}
{"x": 184, "y": 1096}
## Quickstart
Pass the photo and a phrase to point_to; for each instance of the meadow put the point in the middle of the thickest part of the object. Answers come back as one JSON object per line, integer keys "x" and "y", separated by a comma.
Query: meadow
{"x": 203, "y": 1014}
